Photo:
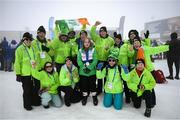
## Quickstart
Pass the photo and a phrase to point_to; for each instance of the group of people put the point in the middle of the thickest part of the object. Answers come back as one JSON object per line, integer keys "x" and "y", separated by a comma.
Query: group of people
{"x": 81, "y": 66}
{"x": 7, "y": 54}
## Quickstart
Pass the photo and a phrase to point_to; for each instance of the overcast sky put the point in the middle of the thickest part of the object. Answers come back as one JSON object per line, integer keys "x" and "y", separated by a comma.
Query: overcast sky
{"x": 28, "y": 15}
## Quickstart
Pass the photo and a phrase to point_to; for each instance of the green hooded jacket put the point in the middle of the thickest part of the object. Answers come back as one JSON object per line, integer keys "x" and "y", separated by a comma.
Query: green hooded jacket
{"x": 68, "y": 79}
{"x": 115, "y": 85}
{"x": 23, "y": 57}
{"x": 47, "y": 80}
{"x": 133, "y": 81}
{"x": 102, "y": 45}
{"x": 42, "y": 56}
{"x": 61, "y": 50}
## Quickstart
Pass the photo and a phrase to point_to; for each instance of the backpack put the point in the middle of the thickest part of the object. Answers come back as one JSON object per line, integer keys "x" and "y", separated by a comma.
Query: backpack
{"x": 159, "y": 76}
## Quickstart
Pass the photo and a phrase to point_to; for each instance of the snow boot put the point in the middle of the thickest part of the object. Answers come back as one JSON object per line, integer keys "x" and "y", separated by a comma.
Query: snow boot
{"x": 84, "y": 100}
{"x": 147, "y": 112}
{"x": 95, "y": 100}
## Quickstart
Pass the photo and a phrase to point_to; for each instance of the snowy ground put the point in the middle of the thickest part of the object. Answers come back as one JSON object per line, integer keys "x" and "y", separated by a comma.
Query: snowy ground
{"x": 11, "y": 106}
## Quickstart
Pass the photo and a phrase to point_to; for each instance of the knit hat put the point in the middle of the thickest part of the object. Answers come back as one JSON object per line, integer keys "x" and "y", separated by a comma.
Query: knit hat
{"x": 117, "y": 35}
{"x": 41, "y": 29}
{"x": 83, "y": 31}
{"x": 27, "y": 35}
{"x": 103, "y": 29}
{"x": 68, "y": 58}
{"x": 114, "y": 54}
{"x": 140, "y": 61}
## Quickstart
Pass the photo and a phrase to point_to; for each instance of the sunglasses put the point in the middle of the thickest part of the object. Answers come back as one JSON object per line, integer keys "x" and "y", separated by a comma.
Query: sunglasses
{"x": 111, "y": 60}
{"x": 49, "y": 66}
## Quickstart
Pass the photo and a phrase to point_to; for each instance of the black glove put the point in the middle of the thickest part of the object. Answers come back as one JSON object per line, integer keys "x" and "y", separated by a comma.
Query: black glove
{"x": 146, "y": 35}
{"x": 44, "y": 48}
{"x": 86, "y": 70}
{"x": 18, "y": 78}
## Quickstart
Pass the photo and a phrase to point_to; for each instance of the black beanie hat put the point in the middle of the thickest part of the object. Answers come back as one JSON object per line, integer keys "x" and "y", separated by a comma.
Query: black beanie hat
{"x": 41, "y": 29}
{"x": 173, "y": 35}
{"x": 117, "y": 35}
{"x": 140, "y": 61}
{"x": 134, "y": 31}
{"x": 27, "y": 35}
{"x": 83, "y": 31}
{"x": 103, "y": 29}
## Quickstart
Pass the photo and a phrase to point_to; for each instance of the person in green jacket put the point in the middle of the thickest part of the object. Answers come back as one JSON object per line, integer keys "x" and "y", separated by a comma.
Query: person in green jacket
{"x": 42, "y": 52}
{"x": 25, "y": 57}
{"x": 87, "y": 61}
{"x": 103, "y": 43}
{"x": 69, "y": 82}
{"x": 49, "y": 83}
{"x": 62, "y": 49}
{"x": 40, "y": 45}
{"x": 148, "y": 51}
{"x": 141, "y": 83}
{"x": 114, "y": 83}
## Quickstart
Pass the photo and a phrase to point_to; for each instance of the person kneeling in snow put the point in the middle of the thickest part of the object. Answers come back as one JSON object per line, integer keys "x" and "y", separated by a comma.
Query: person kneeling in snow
{"x": 69, "y": 79}
{"x": 49, "y": 83}
{"x": 113, "y": 85}
{"x": 141, "y": 82}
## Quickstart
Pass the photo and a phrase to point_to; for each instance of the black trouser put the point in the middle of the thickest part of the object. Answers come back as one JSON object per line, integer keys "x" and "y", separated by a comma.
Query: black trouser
{"x": 88, "y": 84}
{"x": 170, "y": 61}
{"x": 27, "y": 85}
{"x": 147, "y": 96}
{"x": 100, "y": 81}
{"x": 36, "y": 101}
{"x": 153, "y": 91}
{"x": 71, "y": 96}
{"x": 126, "y": 90}
{"x": 58, "y": 67}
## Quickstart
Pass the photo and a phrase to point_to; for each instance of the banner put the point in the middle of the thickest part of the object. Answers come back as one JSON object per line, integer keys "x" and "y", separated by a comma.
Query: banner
{"x": 66, "y": 25}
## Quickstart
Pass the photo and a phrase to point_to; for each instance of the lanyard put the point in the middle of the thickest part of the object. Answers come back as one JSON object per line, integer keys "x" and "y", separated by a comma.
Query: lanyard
{"x": 28, "y": 52}
{"x": 87, "y": 55}
{"x": 38, "y": 45}
{"x": 114, "y": 74}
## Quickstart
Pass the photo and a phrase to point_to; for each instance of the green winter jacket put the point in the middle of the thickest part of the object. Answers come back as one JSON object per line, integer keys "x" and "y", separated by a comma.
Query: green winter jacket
{"x": 23, "y": 57}
{"x": 61, "y": 50}
{"x": 66, "y": 78}
{"x": 42, "y": 56}
{"x": 133, "y": 81}
{"x": 147, "y": 42}
{"x": 101, "y": 44}
{"x": 148, "y": 51}
{"x": 74, "y": 46}
{"x": 92, "y": 63}
{"x": 47, "y": 80}
{"x": 125, "y": 54}
{"x": 111, "y": 86}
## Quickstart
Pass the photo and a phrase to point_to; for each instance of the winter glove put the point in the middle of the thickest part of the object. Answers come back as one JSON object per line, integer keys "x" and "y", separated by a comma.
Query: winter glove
{"x": 146, "y": 35}
{"x": 125, "y": 68}
{"x": 44, "y": 48}
{"x": 18, "y": 78}
{"x": 100, "y": 66}
{"x": 86, "y": 70}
